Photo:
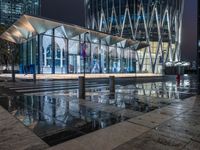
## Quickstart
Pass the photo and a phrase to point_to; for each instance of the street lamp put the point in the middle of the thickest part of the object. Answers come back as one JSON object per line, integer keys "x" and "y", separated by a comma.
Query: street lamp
{"x": 11, "y": 51}
{"x": 84, "y": 47}
{"x": 82, "y": 79}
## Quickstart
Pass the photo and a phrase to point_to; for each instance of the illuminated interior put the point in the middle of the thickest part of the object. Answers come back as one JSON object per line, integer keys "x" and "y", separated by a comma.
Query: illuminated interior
{"x": 55, "y": 48}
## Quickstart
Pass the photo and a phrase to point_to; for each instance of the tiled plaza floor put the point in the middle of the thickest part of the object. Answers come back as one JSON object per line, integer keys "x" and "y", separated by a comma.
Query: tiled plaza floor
{"x": 153, "y": 115}
{"x": 153, "y": 131}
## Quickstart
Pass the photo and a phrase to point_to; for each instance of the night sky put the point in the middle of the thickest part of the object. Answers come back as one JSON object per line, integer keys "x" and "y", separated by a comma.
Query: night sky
{"x": 189, "y": 39}
{"x": 72, "y": 11}
{"x": 69, "y": 11}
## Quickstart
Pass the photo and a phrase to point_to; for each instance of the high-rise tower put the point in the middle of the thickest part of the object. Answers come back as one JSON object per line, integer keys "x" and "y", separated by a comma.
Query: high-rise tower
{"x": 157, "y": 22}
{"x": 11, "y": 10}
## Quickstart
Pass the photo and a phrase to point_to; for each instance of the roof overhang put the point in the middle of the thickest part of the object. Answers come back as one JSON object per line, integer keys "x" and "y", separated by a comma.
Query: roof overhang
{"x": 29, "y": 26}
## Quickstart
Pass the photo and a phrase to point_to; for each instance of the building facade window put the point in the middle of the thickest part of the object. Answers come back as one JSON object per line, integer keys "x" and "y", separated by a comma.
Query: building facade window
{"x": 100, "y": 58}
{"x": 157, "y": 22}
{"x": 11, "y": 10}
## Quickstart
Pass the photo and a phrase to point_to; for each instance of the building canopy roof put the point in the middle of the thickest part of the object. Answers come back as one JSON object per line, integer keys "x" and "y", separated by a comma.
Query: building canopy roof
{"x": 29, "y": 26}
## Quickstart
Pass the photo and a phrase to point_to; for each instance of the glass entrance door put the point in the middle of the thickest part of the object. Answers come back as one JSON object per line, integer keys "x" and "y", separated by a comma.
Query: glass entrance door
{"x": 72, "y": 63}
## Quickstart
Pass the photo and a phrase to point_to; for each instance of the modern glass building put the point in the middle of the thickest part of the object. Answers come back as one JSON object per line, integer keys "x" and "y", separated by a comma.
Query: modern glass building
{"x": 11, "y": 10}
{"x": 157, "y": 22}
{"x": 59, "y": 48}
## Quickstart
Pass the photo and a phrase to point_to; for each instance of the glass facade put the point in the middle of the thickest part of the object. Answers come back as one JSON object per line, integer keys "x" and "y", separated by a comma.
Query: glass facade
{"x": 52, "y": 53}
{"x": 157, "y": 22}
{"x": 11, "y": 10}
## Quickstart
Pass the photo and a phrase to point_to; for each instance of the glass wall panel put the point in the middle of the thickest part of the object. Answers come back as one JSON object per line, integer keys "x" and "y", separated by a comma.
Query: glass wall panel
{"x": 47, "y": 54}
{"x": 122, "y": 60}
{"x": 95, "y": 57}
{"x": 99, "y": 58}
{"x": 37, "y": 53}
{"x": 30, "y": 52}
{"x": 85, "y": 44}
{"x": 148, "y": 65}
{"x": 126, "y": 61}
{"x": 87, "y": 59}
{"x": 132, "y": 61}
{"x": 114, "y": 60}
{"x": 74, "y": 59}
{"x": 21, "y": 58}
{"x": 104, "y": 59}
{"x": 34, "y": 50}
{"x": 60, "y": 55}
{"x": 120, "y": 64}
{"x": 145, "y": 59}
{"x": 24, "y": 53}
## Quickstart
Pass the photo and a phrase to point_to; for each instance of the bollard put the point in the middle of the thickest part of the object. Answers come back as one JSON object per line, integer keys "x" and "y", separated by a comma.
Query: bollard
{"x": 82, "y": 87}
{"x": 198, "y": 91}
{"x": 34, "y": 72}
{"x": 13, "y": 76}
{"x": 112, "y": 84}
{"x": 34, "y": 77}
{"x": 13, "y": 73}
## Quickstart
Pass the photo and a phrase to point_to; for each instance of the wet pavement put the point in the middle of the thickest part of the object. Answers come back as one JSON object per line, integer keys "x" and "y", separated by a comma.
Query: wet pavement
{"x": 15, "y": 136}
{"x": 52, "y": 110}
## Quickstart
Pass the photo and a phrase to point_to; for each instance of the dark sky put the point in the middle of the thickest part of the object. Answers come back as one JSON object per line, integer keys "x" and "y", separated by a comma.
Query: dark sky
{"x": 72, "y": 11}
{"x": 69, "y": 11}
{"x": 189, "y": 39}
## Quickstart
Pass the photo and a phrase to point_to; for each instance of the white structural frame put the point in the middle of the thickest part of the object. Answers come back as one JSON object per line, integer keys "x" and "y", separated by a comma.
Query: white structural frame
{"x": 171, "y": 18}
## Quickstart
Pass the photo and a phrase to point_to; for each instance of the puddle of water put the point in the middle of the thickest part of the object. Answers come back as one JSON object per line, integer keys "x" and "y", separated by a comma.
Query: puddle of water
{"x": 57, "y": 120}
{"x": 60, "y": 115}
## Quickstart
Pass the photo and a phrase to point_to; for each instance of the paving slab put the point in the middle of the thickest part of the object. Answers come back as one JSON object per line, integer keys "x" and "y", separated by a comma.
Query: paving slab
{"x": 180, "y": 106}
{"x": 100, "y": 106}
{"x": 153, "y": 141}
{"x": 192, "y": 146}
{"x": 170, "y": 111}
{"x": 150, "y": 120}
{"x": 196, "y": 138}
{"x": 15, "y": 136}
{"x": 128, "y": 113}
{"x": 180, "y": 128}
{"x": 107, "y": 139}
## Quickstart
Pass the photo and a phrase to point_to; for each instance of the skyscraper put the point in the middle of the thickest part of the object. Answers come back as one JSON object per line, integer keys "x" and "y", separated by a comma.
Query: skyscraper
{"x": 11, "y": 10}
{"x": 157, "y": 22}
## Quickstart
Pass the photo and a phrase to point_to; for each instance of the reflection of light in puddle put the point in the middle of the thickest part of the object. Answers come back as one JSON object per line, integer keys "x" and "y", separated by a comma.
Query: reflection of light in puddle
{"x": 64, "y": 108}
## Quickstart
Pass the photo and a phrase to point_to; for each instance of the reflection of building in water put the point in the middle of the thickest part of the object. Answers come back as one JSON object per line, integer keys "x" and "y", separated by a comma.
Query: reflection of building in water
{"x": 53, "y": 114}
{"x": 167, "y": 90}
{"x": 47, "y": 115}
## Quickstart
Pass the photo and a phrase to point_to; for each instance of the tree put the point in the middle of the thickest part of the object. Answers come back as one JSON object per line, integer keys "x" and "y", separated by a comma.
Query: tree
{"x": 6, "y": 51}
